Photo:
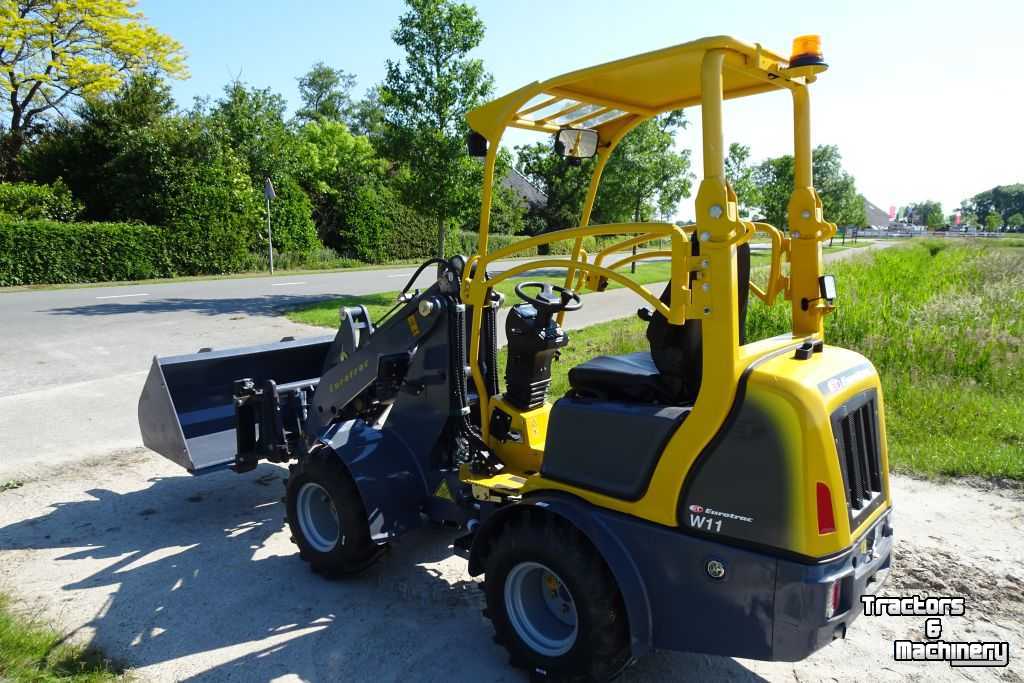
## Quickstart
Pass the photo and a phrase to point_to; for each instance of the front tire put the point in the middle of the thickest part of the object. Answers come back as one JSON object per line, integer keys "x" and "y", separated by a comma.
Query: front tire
{"x": 327, "y": 518}
{"x": 554, "y": 603}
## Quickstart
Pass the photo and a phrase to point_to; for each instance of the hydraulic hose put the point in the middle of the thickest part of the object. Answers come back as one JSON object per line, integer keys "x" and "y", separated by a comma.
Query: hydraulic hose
{"x": 475, "y": 450}
{"x": 490, "y": 350}
{"x": 457, "y": 348}
{"x": 443, "y": 264}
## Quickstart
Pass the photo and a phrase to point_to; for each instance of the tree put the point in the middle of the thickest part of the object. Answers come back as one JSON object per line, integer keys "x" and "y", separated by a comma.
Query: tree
{"x": 565, "y": 186}
{"x": 837, "y": 188}
{"x": 645, "y": 175}
{"x": 1005, "y": 200}
{"x": 339, "y": 171}
{"x": 838, "y": 191}
{"x": 993, "y": 221}
{"x": 30, "y": 201}
{"x": 129, "y": 158}
{"x": 425, "y": 98}
{"x": 326, "y": 94}
{"x": 84, "y": 151}
{"x": 927, "y": 213}
{"x": 55, "y": 51}
{"x": 252, "y": 122}
{"x": 774, "y": 181}
{"x": 368, "y": 115}
{"x": 1016, "y": 221}
{"x": 740, "y": 174}
{"x": 508, "y": 208}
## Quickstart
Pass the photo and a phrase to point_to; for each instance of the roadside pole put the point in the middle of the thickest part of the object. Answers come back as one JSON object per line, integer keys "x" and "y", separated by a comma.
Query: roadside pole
{"x": 268, "y": 193}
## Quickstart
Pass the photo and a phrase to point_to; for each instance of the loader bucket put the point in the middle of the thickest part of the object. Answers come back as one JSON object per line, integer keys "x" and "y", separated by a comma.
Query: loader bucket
{"x": 186, "y": 410}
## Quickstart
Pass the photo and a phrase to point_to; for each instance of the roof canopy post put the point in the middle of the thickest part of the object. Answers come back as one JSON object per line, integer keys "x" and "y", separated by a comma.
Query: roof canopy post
{"x": 604, "y": 153}
{"x": 802, "y": 167}
{"x": 486, "y": 194}
{"x": 711, "y": 114}
{"x": 714, "y": 292}
{"x": 807, "y": 226}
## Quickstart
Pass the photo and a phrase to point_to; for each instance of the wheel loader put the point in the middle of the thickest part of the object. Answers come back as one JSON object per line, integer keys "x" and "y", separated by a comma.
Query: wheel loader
{"x": 712, "y": 494}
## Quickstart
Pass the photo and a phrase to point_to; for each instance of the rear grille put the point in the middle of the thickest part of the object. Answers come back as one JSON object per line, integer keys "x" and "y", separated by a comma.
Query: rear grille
{"x": 855, "y": 427}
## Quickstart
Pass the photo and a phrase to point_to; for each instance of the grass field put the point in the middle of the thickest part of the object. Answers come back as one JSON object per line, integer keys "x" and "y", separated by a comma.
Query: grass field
{"x": 29, "y": 652}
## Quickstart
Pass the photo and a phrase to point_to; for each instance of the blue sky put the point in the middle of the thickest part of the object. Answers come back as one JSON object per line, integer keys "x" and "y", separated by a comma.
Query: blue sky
{"x": 924, "y": 99}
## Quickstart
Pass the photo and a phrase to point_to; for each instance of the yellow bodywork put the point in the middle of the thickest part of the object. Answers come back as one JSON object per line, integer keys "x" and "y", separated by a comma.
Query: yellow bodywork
{"x": 526, "y": 453}
{"x": 791, "y": 387}
{"x": 612, "y": 99}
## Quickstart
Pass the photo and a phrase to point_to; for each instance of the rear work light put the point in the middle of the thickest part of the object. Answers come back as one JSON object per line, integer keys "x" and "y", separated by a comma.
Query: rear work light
{"x": 826, "y": 519}
{"x": 832, "y": 601}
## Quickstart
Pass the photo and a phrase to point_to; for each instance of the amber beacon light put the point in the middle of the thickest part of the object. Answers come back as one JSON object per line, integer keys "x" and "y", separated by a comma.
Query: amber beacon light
{"x": 807, "y": 51}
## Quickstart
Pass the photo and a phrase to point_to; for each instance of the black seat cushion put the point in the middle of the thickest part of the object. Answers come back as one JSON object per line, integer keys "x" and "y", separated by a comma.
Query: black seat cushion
{"x": 632, "y": 377}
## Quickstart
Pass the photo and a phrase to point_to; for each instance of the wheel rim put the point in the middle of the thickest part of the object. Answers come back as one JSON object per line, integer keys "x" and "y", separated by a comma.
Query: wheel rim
{"x": 318, "y": 518}
{"x": 541, "y": 609}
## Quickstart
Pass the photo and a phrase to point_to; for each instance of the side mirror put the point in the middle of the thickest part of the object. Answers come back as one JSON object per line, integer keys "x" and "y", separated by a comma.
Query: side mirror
{"x": 576, "y": 143}
{"x": 476, "y": 144}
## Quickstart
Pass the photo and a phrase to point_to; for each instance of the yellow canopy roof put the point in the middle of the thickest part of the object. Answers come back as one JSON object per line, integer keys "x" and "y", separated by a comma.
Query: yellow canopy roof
{"x": 641, "y": 86}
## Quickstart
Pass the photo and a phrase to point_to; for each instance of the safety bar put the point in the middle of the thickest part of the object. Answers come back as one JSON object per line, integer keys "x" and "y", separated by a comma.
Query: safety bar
{"x": 777, "y": 282}
{"x": 476, "y": 285}
{"x": 633, "y": 242}
{"x": 676, "y": 313}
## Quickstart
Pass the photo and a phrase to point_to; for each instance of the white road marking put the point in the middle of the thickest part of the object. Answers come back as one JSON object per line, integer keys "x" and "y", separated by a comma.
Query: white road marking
{"x": 285, "y": 284}
{"x": 401, "y": 275}
{"x": 121, "y": 296}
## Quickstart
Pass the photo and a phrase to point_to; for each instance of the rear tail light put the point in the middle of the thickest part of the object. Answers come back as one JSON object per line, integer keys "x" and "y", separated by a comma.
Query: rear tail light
{"x": 832, "y": 601}
{"x": 826, "y": 519}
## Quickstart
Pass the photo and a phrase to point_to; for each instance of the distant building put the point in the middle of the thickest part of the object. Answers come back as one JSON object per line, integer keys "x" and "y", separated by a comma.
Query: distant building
{"x": 516, "y": 181}
{"x": 876, "y": 217}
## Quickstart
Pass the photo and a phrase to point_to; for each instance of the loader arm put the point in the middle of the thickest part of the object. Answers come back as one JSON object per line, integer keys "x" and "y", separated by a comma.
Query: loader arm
{"x": 235, "y": 407}
{"x": 381, "y": 361}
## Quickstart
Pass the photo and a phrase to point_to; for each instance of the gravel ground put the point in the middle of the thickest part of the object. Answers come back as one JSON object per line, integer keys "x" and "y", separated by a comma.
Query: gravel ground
{"x": 181, "y": 578}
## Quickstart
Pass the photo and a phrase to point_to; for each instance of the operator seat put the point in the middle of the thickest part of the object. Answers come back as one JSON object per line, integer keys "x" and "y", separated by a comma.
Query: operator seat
{"x": 670, "y": 373}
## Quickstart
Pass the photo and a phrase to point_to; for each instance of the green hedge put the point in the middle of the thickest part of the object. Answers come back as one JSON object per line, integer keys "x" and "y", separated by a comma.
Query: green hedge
{"x": 378, "y": 228}
{"x": 37, "y": 252}
{"x": 291, "y": 219}
{"x": 48, "y": 252}
{"x": 29, "y": 201}
{"x": 465, "y": 242}
{"x": 564, "y": 247}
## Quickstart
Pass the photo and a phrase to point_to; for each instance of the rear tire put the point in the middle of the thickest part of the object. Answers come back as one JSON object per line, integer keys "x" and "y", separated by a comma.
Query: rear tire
{"x": 554, "y": 603}
{"x": 327, "y": 517}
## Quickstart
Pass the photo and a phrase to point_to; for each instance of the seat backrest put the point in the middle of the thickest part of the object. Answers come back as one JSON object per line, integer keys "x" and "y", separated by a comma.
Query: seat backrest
{"x": 676, "y": 349}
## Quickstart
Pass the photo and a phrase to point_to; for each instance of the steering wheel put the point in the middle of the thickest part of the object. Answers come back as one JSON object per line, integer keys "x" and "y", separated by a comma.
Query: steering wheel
{"x": 552, "y": 298}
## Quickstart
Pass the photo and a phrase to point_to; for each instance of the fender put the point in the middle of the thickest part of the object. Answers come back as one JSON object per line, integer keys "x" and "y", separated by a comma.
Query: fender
{"x": 578, "y": 512}
{"x": 384, "y": 469}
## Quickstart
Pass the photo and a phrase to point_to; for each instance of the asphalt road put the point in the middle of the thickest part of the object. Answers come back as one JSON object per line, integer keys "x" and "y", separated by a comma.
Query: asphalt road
{"x": 73, "y": 361}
